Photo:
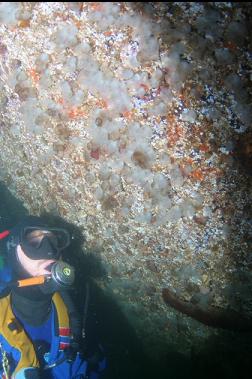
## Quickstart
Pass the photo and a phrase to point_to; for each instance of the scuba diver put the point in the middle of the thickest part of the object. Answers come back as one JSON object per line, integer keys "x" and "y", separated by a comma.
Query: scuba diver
{"x": 40, "y": 328}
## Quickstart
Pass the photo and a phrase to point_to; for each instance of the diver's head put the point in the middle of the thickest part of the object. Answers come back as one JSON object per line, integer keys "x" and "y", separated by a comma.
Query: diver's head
{"x": 34, "y": 248}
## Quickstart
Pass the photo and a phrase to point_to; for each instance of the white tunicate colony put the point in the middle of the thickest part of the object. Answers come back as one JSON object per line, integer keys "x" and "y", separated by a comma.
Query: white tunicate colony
{"x": 66, "y": 36}
{"x": 176, "y": 177}
{"x": 139, "y": 154}
{"x": 223, "y": 56}
{"x": 9, "y": 12}
{"x": 127, "y": 145}
{"x": 188, "y": 115}
{"x": 187, "y": 209}
{"x": 66, "y": 91}
{"x": 99, "y": 193}
{"x": 30, "y": 111}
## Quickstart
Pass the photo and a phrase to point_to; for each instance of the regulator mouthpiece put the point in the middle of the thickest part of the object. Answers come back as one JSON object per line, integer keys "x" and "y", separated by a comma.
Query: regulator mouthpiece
{"x": 62, "y": 274}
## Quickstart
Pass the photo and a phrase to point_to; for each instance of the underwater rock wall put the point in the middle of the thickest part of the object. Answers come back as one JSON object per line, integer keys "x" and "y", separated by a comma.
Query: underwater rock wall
{"x": 133, "y": 122}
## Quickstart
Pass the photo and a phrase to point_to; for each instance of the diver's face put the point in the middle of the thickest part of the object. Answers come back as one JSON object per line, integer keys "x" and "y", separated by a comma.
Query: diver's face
{"x": 33, "y": 267}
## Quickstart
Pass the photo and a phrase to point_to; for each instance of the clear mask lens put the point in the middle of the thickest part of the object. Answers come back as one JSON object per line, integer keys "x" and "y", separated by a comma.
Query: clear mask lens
{"x": 59, "y": 238}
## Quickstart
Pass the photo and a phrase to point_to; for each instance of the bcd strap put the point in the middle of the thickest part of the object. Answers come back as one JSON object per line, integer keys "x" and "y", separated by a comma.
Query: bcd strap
{"x": 63, "y": 320}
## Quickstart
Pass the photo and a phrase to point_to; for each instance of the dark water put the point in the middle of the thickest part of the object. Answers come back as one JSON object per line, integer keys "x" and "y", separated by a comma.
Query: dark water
{"x": 227, "y": 356}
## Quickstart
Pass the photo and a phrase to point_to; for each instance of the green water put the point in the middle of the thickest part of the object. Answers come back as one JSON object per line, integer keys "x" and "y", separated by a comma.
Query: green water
{"x": 226, "y": 356}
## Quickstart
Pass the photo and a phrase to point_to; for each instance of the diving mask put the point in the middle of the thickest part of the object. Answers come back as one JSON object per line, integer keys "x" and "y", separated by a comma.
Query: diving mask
{"x": 44, "y": 243}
